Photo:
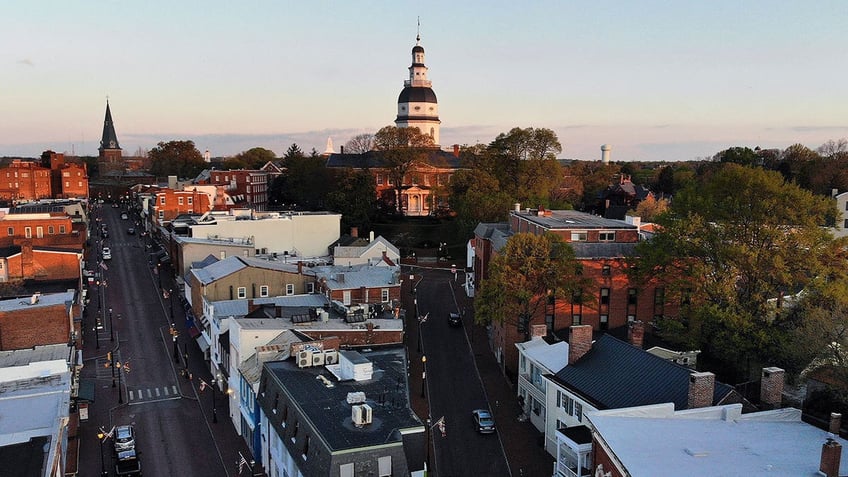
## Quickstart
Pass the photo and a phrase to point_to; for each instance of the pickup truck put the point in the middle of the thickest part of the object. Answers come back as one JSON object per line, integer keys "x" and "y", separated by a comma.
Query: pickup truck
{"x": 128, "y": 464}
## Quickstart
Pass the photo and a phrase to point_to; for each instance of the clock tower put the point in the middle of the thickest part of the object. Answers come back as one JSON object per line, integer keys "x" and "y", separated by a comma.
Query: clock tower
{"x": 417, "y": 104}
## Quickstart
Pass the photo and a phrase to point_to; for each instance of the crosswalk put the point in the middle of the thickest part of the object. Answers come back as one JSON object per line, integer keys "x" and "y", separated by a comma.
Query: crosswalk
{"x": 142, "y": 395}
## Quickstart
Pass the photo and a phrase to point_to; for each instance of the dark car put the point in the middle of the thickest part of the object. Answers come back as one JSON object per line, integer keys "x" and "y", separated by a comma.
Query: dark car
{"x": 124, "y": 438}
{"x": 454, "y": 319}
{"x": 483, "y": 420}
{"x": 131, "y": 231}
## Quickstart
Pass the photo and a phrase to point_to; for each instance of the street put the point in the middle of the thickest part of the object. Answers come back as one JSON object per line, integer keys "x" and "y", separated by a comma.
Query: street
{"x": 143, "y": 386}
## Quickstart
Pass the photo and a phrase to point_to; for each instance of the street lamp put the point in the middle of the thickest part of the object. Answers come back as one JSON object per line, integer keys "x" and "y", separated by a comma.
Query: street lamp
{"x": 423, "y": 375}
{"x": 214, "y": 409}
{"x": 102, "y": 437}
{"x": 118, "y": 369}
{"x": 171, "y": 302}
{"x": 111, "y": 329}
{"x": 174, "y": 335}
{"x": 159, "y": 273}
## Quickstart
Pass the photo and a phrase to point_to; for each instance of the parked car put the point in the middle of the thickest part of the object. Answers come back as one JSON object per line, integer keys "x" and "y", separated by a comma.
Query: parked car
{"x": 124, "y": 217}
{"x": 107, "y": 253}
{"x": 131, "y": 231}
{"x": 454, "y": 319}
{"x": 128, "y": 464}
{"x": 124, "y": 438}
{"x": 483, "y": 420}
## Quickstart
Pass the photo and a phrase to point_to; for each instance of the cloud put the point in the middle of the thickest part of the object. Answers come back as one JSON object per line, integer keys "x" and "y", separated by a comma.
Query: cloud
{"x": 26, "y": 62}
{"x": 818, "y": 128}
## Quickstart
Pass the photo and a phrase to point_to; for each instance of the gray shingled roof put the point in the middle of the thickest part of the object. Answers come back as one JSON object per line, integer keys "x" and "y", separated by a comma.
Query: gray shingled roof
{"x": 215, "y": 271}
{"x": 615, "y": 374}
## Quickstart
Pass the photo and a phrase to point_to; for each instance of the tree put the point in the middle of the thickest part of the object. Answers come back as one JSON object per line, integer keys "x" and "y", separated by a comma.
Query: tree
{"x": 793, "y": 160}
{"x": 738, "y": 155}
{"x": 476, "y": 196}
{"x": 256, "y": 157}
{"x": 179, "y": 158}
{"x": 304, "y": 186}
{"x": 510, "y": 150}
{"x": 293, "y": 152}
{"x": 353, "y": 196}
{"x": 524, "y": 273}
{"x": 832, "y": 148}
{"x": 733, "y": 245}
{"x": 360, "y": 143}
{"x": 650, "y": 208}
{"x": 400, "y": 148}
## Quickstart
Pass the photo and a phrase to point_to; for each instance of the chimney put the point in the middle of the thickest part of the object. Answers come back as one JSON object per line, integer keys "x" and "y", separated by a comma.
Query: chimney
{"x": 354, "y": 232}
{"x": 516, "y": 207}
{"x": 538, "y": 330}
{"x": 636, "y": 333}
{"x": 300, "y": 267}
{"x": 341, "y": 149}
{"x": 456, "y": 150}
{"x": 771, "y": 388}
{"x": 579, "y": 342}
{"x": 831, "y": 457}
{"x": 835, "y": 423}
{"x": 701, "y": 389}
{"x": 371, "y": 236}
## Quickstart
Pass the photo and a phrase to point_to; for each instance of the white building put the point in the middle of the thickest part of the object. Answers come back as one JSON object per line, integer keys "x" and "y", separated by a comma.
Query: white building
{"x": 536, "y": 358}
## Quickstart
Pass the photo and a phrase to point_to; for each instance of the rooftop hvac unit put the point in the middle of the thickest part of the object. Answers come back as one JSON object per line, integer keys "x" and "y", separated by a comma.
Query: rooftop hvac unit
{"x": 304, "y": 358}
{"x": 361, "y": 414}
{"x": 331, "y": 356}
{"x": 317, "y": 359}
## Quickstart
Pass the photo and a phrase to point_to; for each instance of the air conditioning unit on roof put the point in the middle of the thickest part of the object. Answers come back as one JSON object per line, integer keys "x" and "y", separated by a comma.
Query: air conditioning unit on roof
{"x": 318, "y": 359}
{"x": 304, "y": 358}
{"x": 331, "y": 356}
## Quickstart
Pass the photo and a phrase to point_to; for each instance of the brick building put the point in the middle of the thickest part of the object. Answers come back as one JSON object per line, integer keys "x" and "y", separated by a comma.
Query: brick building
{"x": 47, "y": 229}
{"x": 167, "y": 204}
{"x": 38, "y": 320}
{"x": 25, "y": 263}
{"x": 247, "y": 188}
{"x": 602, "y": 247}
{"x": 25, "y": 180}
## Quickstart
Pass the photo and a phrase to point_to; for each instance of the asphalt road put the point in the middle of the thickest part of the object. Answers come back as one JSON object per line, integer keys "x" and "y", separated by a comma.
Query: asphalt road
{"x": 172, "y": 419}
{"x": 453, "y": 386}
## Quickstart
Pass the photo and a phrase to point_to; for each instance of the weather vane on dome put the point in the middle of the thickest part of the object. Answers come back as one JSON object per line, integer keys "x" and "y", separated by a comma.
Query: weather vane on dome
{"x": 418, "y": 33}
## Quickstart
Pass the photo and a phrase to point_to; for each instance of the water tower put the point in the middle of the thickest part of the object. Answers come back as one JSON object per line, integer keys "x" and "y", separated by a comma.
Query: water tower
{"x": 605, "y": 154}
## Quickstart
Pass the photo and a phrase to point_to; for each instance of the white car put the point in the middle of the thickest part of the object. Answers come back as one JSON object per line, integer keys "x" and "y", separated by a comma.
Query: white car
{"x": 107, "y": 254}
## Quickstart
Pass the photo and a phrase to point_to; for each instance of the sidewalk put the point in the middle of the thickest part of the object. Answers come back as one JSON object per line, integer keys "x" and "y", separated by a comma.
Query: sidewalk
{"x": 521, "y": 441}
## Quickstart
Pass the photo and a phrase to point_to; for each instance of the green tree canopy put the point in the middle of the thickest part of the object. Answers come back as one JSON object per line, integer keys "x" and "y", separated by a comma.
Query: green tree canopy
{"x": 735, "y": 241}
{"x": 521, "y": 277}
{"x": 255, "y": 158}
{"x": 400, "y": 148}
{"x": 353, "y": 196}
{"x": 179, "y": 158}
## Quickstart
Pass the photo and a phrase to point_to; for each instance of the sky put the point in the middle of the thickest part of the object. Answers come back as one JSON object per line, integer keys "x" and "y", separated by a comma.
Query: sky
{"x": 657, "y": 80}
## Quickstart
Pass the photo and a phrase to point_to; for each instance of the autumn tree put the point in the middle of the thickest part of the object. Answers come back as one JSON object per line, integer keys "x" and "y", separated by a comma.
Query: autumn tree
{"x": 400, "y": 148}
{"x": 734, "y": 243}
{"x": 360, "y": 143}
{"x": 650, "y": 208}
{"x": 176, "y": 158}
{"x": 522, "y": 275}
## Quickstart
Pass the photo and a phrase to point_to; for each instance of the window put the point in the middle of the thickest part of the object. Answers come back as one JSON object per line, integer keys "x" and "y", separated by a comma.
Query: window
{"x": 384, "y": 466}
{"x": 289, "y": 288}
{"x": 190, "y": 200}
{"x": 379, "y": 179}
{"x": 605, "y": 296}
{"x": 67, "y": 184}
{"x": 606, "y": 270}
{"x": 61, "y": 229}
{"x": 50, "y": 230}
{"x": 162, "y": 200}
{"x": 575, "y": 319}
{"x": 567, "y": 404}
{"x": 537, "y": 406}
{"x": 659, "y": 302}
{"x": 578, "y": 411}
{"x": 79, "y": 184}
{"x": 39, "y": 232}
{"x": 346, "y": 470}
{"x": 66, "y": 174}
{"x": 578, "y": 236}
{"x": 222, "y": 254}
{"x": 310, "y": 287}
{"x": 242, "y": 292}
{"x": 263, "y": 291}
{"x": 845, "y": 225}
{"x": 28, "y": 232}
{"x": 604, "y": 322}
{"x": 180, "y": 200}
{"x": 384, "y": 295}
{"x": 606, "y": 237}
{"x": 10, "y": 231}
{"x": 161, "y": 215}
{"x": 631, "y": 297}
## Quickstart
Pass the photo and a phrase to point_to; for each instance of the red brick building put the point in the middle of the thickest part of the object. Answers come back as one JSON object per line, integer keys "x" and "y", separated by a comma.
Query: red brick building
{"x": 247, "y": 188}
{"x": 37, "y": 320}
{"x": 25, "y": 180}
{"x": 169, "y": 203}
{"x": 602, "y": 246}
{"x": 25, "y": 263}
{"x": 48, "y": 229}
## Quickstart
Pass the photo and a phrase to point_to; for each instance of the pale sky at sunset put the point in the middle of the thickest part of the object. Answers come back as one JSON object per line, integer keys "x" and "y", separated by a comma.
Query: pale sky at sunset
{"x": 673, "y": 80}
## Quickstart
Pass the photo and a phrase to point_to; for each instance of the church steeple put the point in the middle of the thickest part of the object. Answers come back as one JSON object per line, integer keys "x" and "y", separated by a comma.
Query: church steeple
{"x": 417, "y": 103}
{"x": 110, "y": 139}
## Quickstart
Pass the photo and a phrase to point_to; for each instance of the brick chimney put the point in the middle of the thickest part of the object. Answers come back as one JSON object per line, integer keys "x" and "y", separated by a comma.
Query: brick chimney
{"x": 579, "y": 342}
{"x": 771, "y": 388}
{"x": 538, "y": 330}
{"x": 636, "y": 333}
{"x": 831, "y": 458}
{"x": 456, "y": 150}
{"x": 300, "y": 267}
{"x": 354, "y": 232}
{"x": 701, "y": 389}
{"x": 835, "y": 423}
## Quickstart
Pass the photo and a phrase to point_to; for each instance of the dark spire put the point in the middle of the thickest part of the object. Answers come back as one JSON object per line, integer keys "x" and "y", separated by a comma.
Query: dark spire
{"x": 110, "y": 139}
